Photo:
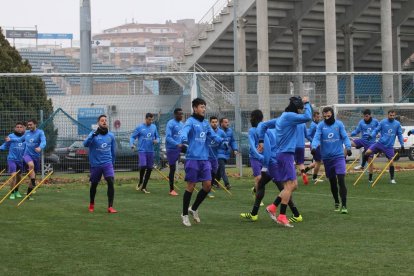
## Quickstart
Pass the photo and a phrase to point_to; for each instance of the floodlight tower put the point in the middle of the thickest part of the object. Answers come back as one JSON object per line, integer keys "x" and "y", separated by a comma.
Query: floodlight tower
{"x": 85, "y": 47}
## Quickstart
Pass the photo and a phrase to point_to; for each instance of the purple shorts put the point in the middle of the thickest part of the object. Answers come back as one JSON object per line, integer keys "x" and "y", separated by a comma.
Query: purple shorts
{"x": 360, "y": 143}
{"x": 378, "y": 147}
{"x": 97, "y": 172}
{"x": 214, "y": 165}
{"x": 317, "y": 157}
{"x": 36, "y": 161}
{"x": 14, "y": 166}
{"x": 146, "y": 160}
{"x": 299, "y": 156}
{"x": 197, "y": 170}
{"x": 285, "y": 167}
{"x": 333, "y": 167}
{"x": 272, "y": 170}
{"x": 173, "y": 155}
{"x": 256, "y": 166}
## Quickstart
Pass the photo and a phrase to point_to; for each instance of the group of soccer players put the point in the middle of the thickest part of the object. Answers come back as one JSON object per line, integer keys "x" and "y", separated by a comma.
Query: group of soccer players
{"x": 25, "y": 147}
{"x": 275, "y": 147}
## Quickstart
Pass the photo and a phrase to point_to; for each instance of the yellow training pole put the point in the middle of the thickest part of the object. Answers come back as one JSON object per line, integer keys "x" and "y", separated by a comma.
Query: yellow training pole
{"x": 375, "y": 156}
{"x": 320, "y": 178}
{"x": 165, "y": 177}
{"x": 2, "y": 171}
{"x": 350, "y": 166}
{"x": 223, "y": 187}
{"x": 17, "y": 185}
{"x": 10, "y": 178}
{"x": 35, "y": 188}
{"x": 379, "y": 176}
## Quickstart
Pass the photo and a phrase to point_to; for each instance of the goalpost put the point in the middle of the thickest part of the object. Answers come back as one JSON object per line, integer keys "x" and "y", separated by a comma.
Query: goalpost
{"x": 351, "y": 114}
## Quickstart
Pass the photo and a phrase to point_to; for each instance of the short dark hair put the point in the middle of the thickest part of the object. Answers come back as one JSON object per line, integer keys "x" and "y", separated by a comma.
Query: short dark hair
{"x": 198, "y": 101}
{"x": 391, "y": 111}
{"x": 222, "y": 119}
{"x": 149, "y": 115}
{"x": 367, "y": 112}
{"x": 327, "y": 109}
{"x": 33, "y": 120}
{"x": 100, "y": 116}
{"x": 213, "y": 118}
{"x": 257, "y": 115}
{"x": 316, "y": 113}
{"x": 19, "y": 123}
{"x": 178, "y": 109}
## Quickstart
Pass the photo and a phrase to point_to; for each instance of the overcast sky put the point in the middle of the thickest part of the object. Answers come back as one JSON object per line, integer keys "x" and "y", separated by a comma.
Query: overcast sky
{"x": 62, "y": 16}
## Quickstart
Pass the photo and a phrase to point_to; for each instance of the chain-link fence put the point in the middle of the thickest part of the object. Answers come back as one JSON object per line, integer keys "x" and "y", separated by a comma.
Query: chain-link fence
{"x": 69, "y": 104}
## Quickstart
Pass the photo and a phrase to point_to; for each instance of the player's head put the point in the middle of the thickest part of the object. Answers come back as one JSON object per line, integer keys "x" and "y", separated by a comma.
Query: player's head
{"x": 295, "y": 105}
{"x": 149, "y": 118}
{"x": 178, "y": 114}
{"x": 199, "y": 106}
{"x": 316, "y": 116}
{"x": 19, "y": 128}
{"x": 214, "y": 122}
{"x": 391, "y": 115}
{"x": 103, "y": 121}
{"x": 367, "y": 115}
{"x": 256, "y": 117}
{"x": 328, "y": 115}
{"x": 224, "y": 123}
{"x": 32, "y": 124}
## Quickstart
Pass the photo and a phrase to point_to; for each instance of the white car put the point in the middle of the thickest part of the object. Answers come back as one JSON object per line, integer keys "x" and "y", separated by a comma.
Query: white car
{"x": 308, "y": 156}
{"x": 408, "y": 143}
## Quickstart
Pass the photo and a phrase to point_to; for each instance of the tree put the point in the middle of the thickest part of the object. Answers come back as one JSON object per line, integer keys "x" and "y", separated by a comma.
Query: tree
{"x": 22, "y": 98}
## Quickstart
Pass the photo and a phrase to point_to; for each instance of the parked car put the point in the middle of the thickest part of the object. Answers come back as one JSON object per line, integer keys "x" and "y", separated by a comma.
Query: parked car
{"x": 77, "y": 156}
{"x": 408, "y": 144}
{"x": 308, "y": 156}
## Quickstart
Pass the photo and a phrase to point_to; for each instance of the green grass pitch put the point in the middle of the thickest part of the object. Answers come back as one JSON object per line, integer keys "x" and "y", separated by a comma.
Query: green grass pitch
{"x": 56, "y": 235}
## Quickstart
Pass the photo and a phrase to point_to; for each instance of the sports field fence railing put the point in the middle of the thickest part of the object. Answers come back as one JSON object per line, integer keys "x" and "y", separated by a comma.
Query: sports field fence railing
{"x": 68, "y": 104}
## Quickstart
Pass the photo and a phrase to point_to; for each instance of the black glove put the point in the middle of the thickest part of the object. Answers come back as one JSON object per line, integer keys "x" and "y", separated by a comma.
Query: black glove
{"x": 95, "y": 133}
{"x": 313, "y": 151}
{"x": 409, "y": 133}
{"x": 184, "y": 148}
{"x": 348, "y": 152}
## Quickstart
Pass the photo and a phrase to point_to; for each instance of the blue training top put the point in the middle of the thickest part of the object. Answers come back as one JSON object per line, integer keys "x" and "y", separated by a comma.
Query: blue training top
{"x": 301, "y": 134}
{"x": 213, "y": 146}
{"x": 101, "y": 149}
{"x": 253, "y": 143}
{"x": 285, "y": 127}
{"x": 146, "y": 134}
{"x": 388, "y": 130}
{"x": 331, "y": 139}
{"x": 16, "y": 149}
{"x": 366, "y": 129}
{"x": 195, "y": 133}
{"x": 172, "y": 134}
{"x": 224, "y": 151}
{"x": 33, "y": 140}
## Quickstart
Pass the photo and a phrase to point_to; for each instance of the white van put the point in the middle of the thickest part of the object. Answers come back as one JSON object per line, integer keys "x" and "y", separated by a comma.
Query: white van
{"x": 408, "y": 143}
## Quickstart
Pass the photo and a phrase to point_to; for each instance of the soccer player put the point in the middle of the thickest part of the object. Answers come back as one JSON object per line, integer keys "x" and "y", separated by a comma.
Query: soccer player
{"x": 316, "y": 164}
{"x": 224, "y": 151}
{"x": 331, "y": 137}
{"x": 365, "y": 126}
{"x": 213, "y": 151}
{"x": 286, "y": 126}
{"x": 101, "y": 144}
{"x": 256, "y": 158}
{"x": 15, "y": 158}
{"x": 269, "y": 172}
{"x": 173, "y": 145}
{"x": 301, "y": 134}
{"x": 147, "y": 135}
{"x": 35, "y": 141}
{"x": 388, "y": 128}
{"x": 197, "y": 167}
